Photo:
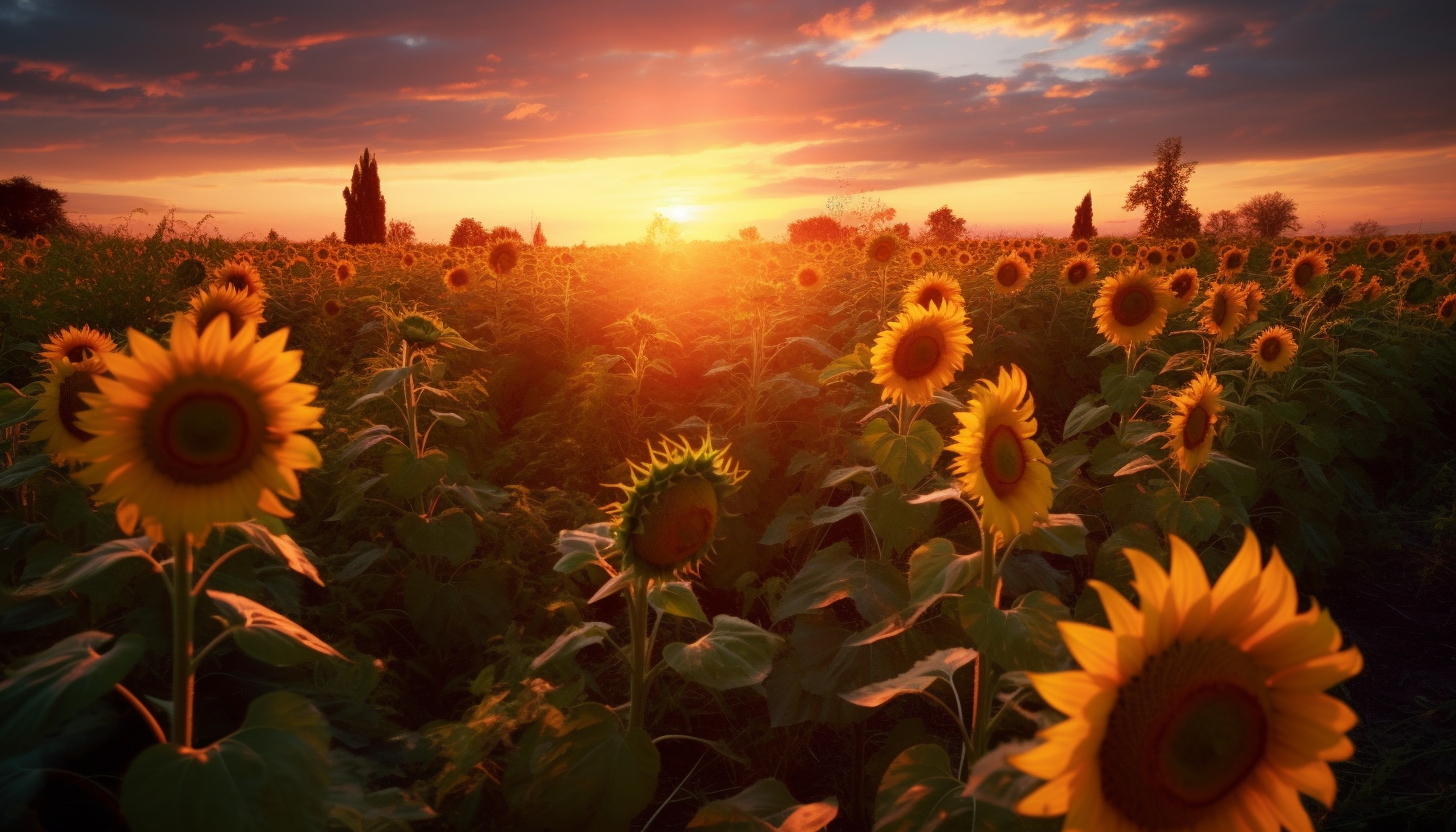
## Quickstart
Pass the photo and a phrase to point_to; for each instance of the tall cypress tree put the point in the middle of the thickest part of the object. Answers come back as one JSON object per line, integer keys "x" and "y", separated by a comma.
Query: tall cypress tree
{"x": 1082, "y": 227}
{"x": 364, "y": 203}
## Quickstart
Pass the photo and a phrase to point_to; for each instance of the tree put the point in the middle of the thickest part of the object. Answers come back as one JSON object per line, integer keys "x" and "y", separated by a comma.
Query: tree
{"x": 1222, "y": 224}
{"x": 364, "y": 203}
{"x": 538, "y": 239}
{"x": 943, "y": 226}
{"x": 1269, "y": 215}
{"x": 468, "y": 232}
{"x": 901, "y": 230}
{"x": 400, "y": 233}
{"x": 662, "y": 232}
{"x": 1162, "y": 193}
{"x": 1368, "y": 228}
{"x": 28, "y": 209}
{"x": 821, "y": 229}
{"x": 749, "y": 234}
{"x": 505, "y": 232}
{"x": 1082, "y": 227}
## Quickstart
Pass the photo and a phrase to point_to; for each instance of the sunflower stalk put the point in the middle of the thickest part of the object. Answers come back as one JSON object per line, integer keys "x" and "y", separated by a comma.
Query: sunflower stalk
{"x": 641, "y": 653}
{"x": 182, "y": 662}
{"x": 985, "y": 675}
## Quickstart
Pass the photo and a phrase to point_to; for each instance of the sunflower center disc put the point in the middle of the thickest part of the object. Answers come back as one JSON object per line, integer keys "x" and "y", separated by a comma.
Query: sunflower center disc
{"x": 1448, "y": 309}
{"x": 70, "y": 404}
{"x": 1184, "y": 733}
{"x": 680, "y": 524}
{"x": 930, "y": 295}
{"x": 1155, "y": 258}
{"x": 1195, "y": 429}
{"x": 235, "y": 321}
{"x": 1077, "y": 273}
{"x": 918, "y": 354}
{"x": 1219, "y": 310}
{"x": 1008, "y": 274}
{"x": 1303, "y": 274}
{"x": 1270, "y": 349}
{"x": 203, "y": 432}
{"x": 1132, "y": 305}
{"x": 1002, "y": 461}
{"x": 807, "y": 277}
{"x": 78, "y": 353}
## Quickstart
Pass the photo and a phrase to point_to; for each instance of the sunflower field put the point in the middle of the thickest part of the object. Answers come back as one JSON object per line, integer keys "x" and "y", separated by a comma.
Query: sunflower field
{"x": 1112, "y": 534}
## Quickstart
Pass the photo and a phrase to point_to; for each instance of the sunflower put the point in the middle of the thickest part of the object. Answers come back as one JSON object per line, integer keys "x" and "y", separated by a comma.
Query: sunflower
{"x": 322, "y": 253}
{"x": 29, "y": 261}
{"x": 996, "y": 460}
{"x": 39, "y": 242}
{"x": 1183, "y": 287}
{"x": 77, "y": 346}
{"x": 808, "y": 277}
{"x": 1010, "y": 274}
{"x": 1116, "y": 250}
{"x": 1446, "y": 310}
{"x": 882, "y": 248}
{"x": 407, "y": 260}
{"x": 964, "y": 258}
{"x": 933, "y": 287}
{"x": 1389, "y": 246}
{"x": 1224, "y": 310}
{"x": 920, "y": 352}
{"x": 1188, "y": 250}
{"x": 1372, "y": 289}
{"x": 1232, "y": 260}
{"x": 917, "y": 258}
{"x": 239, "y": 308}
{"x": 665, "y": 523}
{"x": 240, "y": 275}
{"x": 201, "y": 432}
{"x": 344, "y": 272}
{"x": 503, "y": 256}
{"x": 58, "y": 406}
{"x": 1273, "y": 350}
{"x": 1303, "y": 271}
{"x": 332, "y": 308}
{"x": 1253, "y": 302}
{"x": 1153, "y": 256}
{"x": 1081, "y": 246}
{"x": 1345, "y": 245}
{"x": 1204, "y": 709}
{"x": 457, "y": 279}
{"x": 1078, "y": 272}
{"x": 1131, "y": 307}
{"x": 1441, "y": 243}
{"x": 1352, "y": 273}
{"x": 1194, "y": 421}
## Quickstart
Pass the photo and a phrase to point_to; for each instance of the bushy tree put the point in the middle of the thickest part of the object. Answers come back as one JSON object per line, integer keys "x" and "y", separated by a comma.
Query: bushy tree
{"x": 538, "y": 239}
{"x": 505, "y": 232}
{"x": 1082, "y": 227}
{"x": 1223, "y": 224}
{"x": 399, "y": 233}
{"x": 821, "y": 229}
{"x": 468, "y": 232}
{"x": 749, "y": 234}
{"x": 1162, "y": 193}
{"x": 28, "y": 209}
{"x": 1269, "y": 215}
{"x": 364, "y": 203}
{"x": 943, "y": 226}
{"x": 901, "y": 230}
{"x": 1368, "y": 228}
{"x": 662, "y": 232}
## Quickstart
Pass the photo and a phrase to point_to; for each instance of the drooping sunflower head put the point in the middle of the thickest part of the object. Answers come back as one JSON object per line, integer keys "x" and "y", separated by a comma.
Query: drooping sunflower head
{"x": 1078, "y": 273}
{"x": 1194, "y": 421}
{"x": 420, "y": 329}
{"x": 932, "y": 288}
{"x": 1131, "y": 307}
{"x": 1116, "y": 250}
{"x": 1183, "y": 287}
{"x": 1010, "y": 274}
{"x": 808, "y": 277}
{"x": 59, "y": 405}
{"x": 1203, "y": 709}
{"x": 1446, "y": 310}
{"x": 1253, "y": 302}
{"x": 1303, "y": 272}
{"x": 882, "y": 248}
{"x": 1232, "y": 260}
{"x": 457, "y": 279}
{"x": 920, "y": 352}
{"x": 503, "y": 256}
{"x": 997, "y": 462}
{"x": 1188, "y": 250}
{"x": 344, "y": 272}
{"x": 1273, "y": 350}
{"x": 1351, "y": 274}
{"x": 1223, "y": 311}
{"x": 202, "y": 431}
{"x": 240, "y": 275}
{"x": 81, "y": 346}
{"x": 666, "y": 520}
{"x": 223, "y": 301}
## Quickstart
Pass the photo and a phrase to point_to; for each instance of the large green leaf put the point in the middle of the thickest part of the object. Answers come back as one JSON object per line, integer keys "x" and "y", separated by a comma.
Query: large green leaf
{"x": 856, "y": 362}
{"x": 23, "y": 469}
{"x": 271, "y": 775}
{"x": 1022, "y": 638}
{"x": 1193, "y": 520}
{"x": 940, "y": 665}
{"x": 735, "y": 654}
{"x": 1085, "y": 416}
{"x": 280, "y": 546}
{"x": 904, "y": 459}
{"x": 582, "y": 547}
{"x": 450, "y": 535}
{"x": 676, "y": 598}
{"x": 582, "y": 773}
{"x": 936, "y": 571}
{"x": 76, "y": 569}
{"x": 41, "y": 691}
{"x": 566, "y": 644}
{"x": 1062, "y": 534}
{"x": 921, "y": 793}
{"x": 766, "y": 806}
{"x": 267, "y": 635}
{"x": 878, "y": 591}
{"x": 409, "y": 476}
{"x": 467, "y": 609}
{"x": 897, "y": 523}
{"x": 1122, "y": 391}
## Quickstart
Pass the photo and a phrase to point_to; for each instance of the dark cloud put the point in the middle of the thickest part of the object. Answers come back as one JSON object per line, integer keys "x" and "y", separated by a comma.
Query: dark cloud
{"x": 137, "y": 90}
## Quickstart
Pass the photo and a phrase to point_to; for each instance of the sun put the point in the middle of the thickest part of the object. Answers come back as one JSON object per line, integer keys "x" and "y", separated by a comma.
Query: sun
{"x": 681, "y": 211}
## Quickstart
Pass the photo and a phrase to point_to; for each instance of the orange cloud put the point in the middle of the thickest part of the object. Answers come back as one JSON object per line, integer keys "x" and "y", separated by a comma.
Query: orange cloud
{"x": 1063, "y": 91}
{"x": 524, "y": 110}
{"x": 1199, "y": 71}
{"x": 1120, "y": 64}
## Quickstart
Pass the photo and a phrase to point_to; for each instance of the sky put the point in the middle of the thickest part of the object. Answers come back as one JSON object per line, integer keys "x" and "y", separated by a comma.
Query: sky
{"x": 589, "y": 117}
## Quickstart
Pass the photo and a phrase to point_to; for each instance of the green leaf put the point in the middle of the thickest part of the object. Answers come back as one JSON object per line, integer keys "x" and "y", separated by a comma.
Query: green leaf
{"x": 1122, "y": 391}
{"x": 77, "y": 569}
{"x": 582, "y": 547}
{"x": 904, "y": 459}
{"x": 469, "y": 608}
{"x": 1193, "y": 520}
{"x": 454, "y": 420}
{"x": 409, "y": 476}
{"x": 942, "y": 665}
{"x": 280, "y": 546}
{"x": 1238, "y": 478}
{"x": 840, "y": 476}
{"x": 43, "y": 690}
{"x": 1419, "y": 291}
{"x": 856, "y": 362}
{"x": 1022, "y": 638}
{"x": 271, "y": 775}
{"x": 1142, "y": 463}
{"x": 267, "y": 635}
{"x": 1085, "y": 416}
{"x": 676, "y": 598}
{"x": 735, "y": 654}
{"x": 1061, "y": 534}
{"x": 388, "y": 379}
{"x": 936, "y": 571}
{"x": 897, "y": 523}
{"x": 23, "y": 469}
{"x": 766, "y": 806}
{"x": 583, "y": 773}
{"x": 363, "y": 441}
{"x": 566, "y": 644}
{"x": 831, "y": 574}
{"x": 921, "y": 793}
{"x": 450, "y": 535}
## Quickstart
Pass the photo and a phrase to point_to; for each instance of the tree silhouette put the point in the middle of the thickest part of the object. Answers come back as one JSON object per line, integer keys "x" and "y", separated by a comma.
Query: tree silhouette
{"x": 504, "y": 232}
{"x": 27, "y": 208}
{"x": 1269, "y": 215}
{"x": 538, "y": 239}
{"x": 823, "y": 229}
{"x": 1082, "y": 227}
{"x": 468, "y": 232}
{"x": 1162, "y": 193}
{"x": 943, "y": 226}
{"x": 364, "y": 203}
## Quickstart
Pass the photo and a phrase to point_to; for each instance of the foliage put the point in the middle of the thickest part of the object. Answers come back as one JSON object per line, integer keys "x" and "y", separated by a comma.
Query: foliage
{"x": 943, "y": 226}
{"x": 1268, "y": 215}
{"x": 27, "y": 208}
{"x": 817, "y": 229}
{"x": 1082, "y": 227}
{"x": 1162, "y": 193}
{"x": 468, "y": 232}
{"x": 364, "y": 203}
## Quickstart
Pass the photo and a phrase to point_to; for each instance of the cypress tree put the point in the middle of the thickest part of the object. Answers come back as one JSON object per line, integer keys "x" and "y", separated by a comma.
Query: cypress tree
{"x": 538, "y": 239}
{"x": 364, "y": 203}
{"x": 1082, "y": 227}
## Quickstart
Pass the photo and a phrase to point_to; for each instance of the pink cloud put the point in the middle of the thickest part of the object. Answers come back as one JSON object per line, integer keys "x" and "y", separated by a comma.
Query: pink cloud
{"x": 524, "y": 110}
{"x": 1199, "y": 71}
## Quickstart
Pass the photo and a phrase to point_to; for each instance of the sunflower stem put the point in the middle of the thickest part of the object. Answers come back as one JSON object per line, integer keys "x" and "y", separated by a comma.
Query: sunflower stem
{"x": 637, "y": 610}
{"x": 985, "y": 682}
{"x": 182, "y": 642}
